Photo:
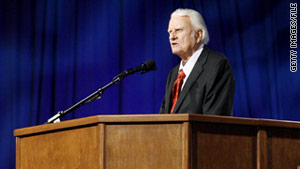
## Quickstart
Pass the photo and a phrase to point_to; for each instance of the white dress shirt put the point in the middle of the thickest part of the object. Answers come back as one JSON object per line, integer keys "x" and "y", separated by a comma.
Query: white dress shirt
{"x": 189, "y": 65}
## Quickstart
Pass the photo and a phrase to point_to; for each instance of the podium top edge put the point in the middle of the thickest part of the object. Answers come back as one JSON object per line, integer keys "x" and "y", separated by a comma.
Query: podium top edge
{"x": 154, "y": 118}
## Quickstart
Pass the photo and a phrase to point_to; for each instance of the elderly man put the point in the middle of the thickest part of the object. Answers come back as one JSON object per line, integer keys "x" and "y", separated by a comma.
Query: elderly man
{"x": 203, "y": 82}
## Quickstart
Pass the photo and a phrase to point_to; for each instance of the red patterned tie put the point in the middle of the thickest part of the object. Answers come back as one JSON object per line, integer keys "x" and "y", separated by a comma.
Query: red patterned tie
{"x": 176, "y": 89}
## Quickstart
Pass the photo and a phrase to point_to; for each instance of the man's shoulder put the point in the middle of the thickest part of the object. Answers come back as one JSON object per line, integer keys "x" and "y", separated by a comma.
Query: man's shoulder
{"x": 214, "y": 56}
{"x": 215, "y": 60}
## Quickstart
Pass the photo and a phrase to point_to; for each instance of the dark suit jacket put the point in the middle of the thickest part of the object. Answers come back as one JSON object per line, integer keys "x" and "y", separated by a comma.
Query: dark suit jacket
{"x": 208, "y": 90}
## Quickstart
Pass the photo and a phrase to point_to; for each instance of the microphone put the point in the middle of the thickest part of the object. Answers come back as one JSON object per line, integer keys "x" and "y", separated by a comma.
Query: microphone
{"x": 144, "y": 67}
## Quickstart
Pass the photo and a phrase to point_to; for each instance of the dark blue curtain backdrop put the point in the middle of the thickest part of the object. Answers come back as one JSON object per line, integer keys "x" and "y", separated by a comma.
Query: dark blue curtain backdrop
{"x": 54, "y": 53}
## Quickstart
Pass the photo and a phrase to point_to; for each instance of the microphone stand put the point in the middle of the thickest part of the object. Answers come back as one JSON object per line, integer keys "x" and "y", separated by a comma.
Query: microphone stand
{"x": 94, "y": 96}
{"x": 144, "y": 67}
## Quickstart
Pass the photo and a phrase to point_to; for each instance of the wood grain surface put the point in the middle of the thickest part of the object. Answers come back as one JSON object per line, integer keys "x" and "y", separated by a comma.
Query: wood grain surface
{"x": 220, "y": 146}
{"x": 179, "y": 141}
{"x": 71, "y": 149}
{"x": 156, "y": 118}
{"x": 143, "y": 146}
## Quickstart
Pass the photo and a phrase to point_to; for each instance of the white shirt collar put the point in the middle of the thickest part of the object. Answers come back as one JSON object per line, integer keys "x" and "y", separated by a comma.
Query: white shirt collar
{"x": 189, "y": 65}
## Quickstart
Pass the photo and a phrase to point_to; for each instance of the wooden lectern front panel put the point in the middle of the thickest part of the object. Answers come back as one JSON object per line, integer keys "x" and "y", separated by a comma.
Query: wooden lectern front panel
{"x": 69, "y": 149}
{"x": 220, "y": 146}
{"x": 143, "y": 146}
{"x": 180, "y": 141}
{"x": 284, "y": 148}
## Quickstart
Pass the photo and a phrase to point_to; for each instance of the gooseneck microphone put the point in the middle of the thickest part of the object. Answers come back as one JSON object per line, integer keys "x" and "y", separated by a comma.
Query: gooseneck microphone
{"x": 144, "y": 67}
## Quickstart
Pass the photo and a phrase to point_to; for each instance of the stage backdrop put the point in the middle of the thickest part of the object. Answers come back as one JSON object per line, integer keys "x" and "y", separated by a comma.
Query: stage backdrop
{"x": 54, "y": 53}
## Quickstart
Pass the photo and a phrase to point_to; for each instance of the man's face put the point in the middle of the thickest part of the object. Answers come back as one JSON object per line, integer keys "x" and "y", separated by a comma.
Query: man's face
{"x": 183, "y": 39}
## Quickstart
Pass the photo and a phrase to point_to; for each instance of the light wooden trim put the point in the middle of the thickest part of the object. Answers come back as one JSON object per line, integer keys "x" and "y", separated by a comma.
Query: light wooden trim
{"x": 101, "y": 127}
{"x": 149, "y": 118}
{"x": 56, "y": 126}
{"x": 261, "y": 149}
{"x": 186, "y": 145}
{"x": 244, "y": 121}
{"x": 101, "y": 119}
{"x": 18, "y": 153}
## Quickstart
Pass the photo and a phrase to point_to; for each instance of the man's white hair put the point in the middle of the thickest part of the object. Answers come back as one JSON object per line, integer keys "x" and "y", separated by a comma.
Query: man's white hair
{"x": 196, "y": 20}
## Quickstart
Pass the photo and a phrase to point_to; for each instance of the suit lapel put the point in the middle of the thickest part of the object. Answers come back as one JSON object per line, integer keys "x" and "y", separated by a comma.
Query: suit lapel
{"x": 173, "y": 77}
{"x": 197, "y": 70}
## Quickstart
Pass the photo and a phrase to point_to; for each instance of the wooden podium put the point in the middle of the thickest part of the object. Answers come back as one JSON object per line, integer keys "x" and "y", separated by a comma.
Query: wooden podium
{"x": 181, "y": 141}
